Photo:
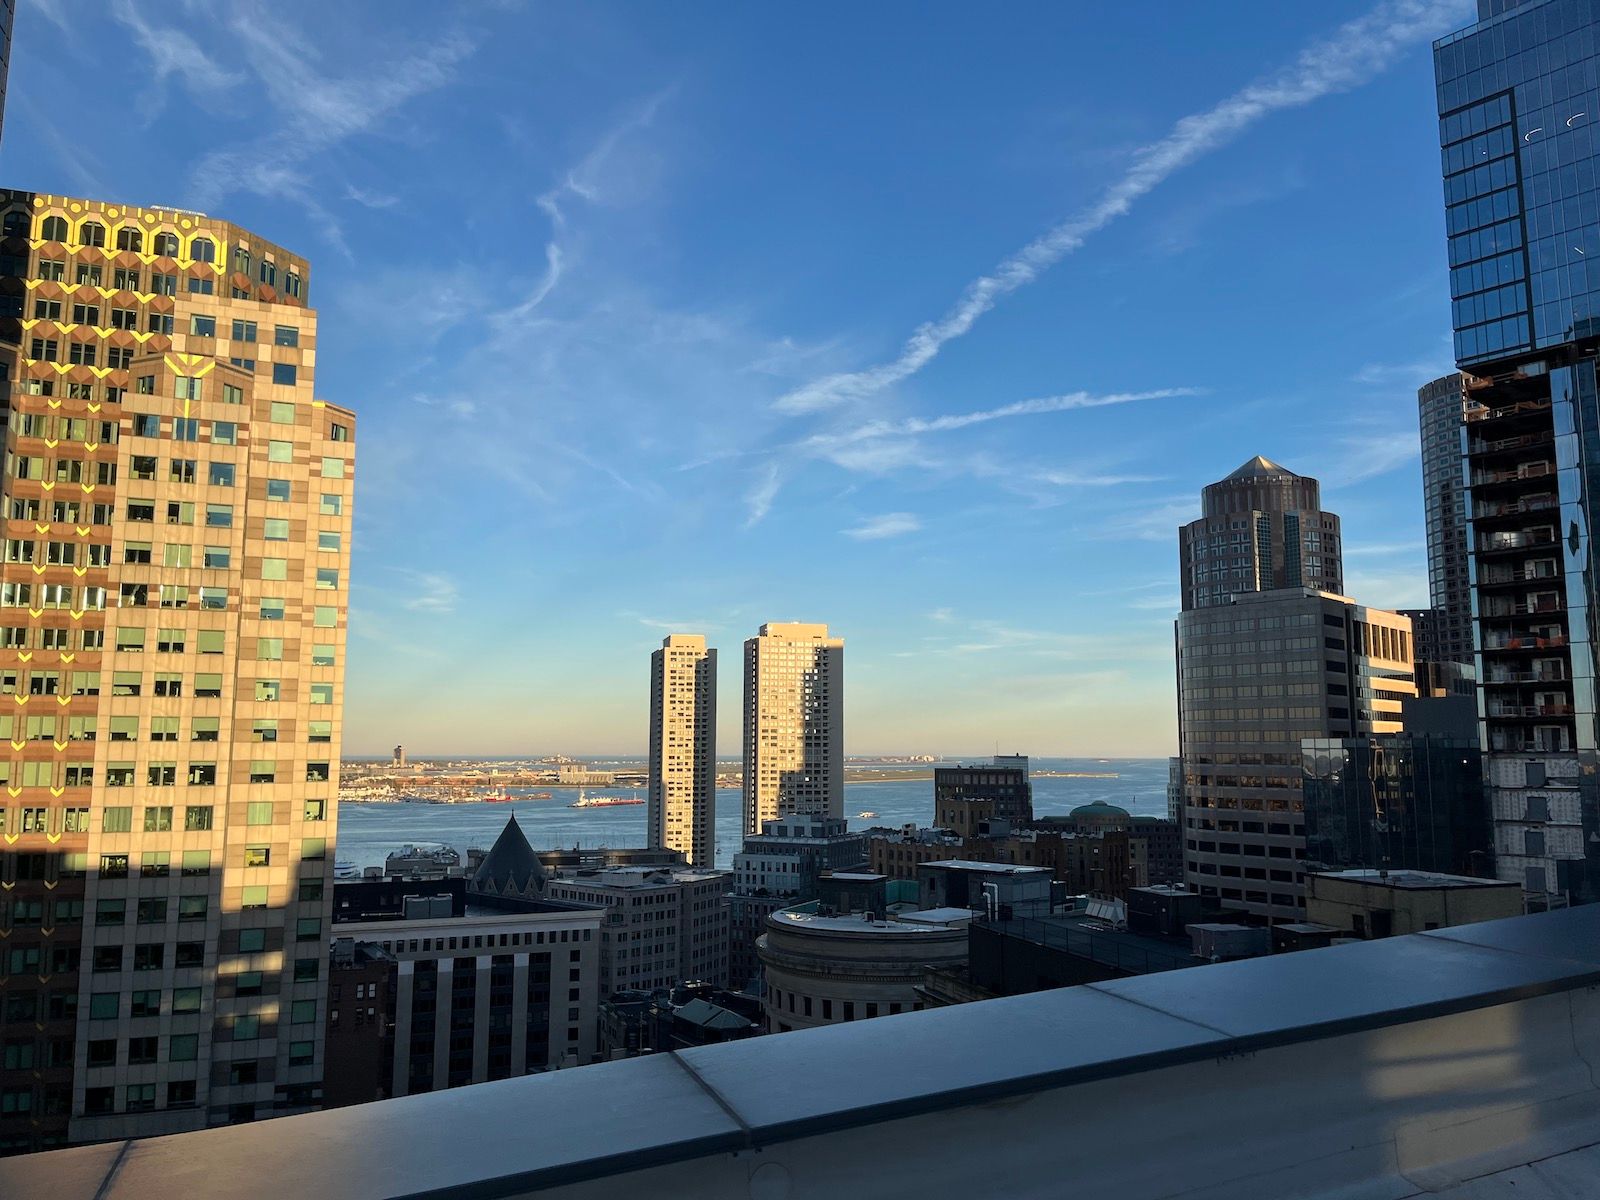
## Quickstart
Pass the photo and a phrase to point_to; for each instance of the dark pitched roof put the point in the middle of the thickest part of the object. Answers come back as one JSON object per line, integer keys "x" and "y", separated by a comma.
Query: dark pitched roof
{"x": 511, "y": 866}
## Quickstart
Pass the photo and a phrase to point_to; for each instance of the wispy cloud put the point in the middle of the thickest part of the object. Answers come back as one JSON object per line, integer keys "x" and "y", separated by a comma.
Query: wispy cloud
{"x": 886, "y": 526}
{"x": 172, "y": 52}
{"x": 1381, "y": 549}
{"x": 1357, "y": 52}
{"x": 882, "y": 445}
{"x": 1409, "y": 375}
{"x": 320, "y": 110}
{"x": 370, "y": 199}
{"x": 431, "y": 592}
{"x": 758, "y": 500}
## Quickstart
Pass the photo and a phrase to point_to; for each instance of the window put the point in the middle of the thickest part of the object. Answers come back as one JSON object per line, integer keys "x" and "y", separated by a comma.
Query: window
{"x": 207, "y": 686}
{"x": 193, "y": 908}
{"x": 328, "y": 542}
{"x": 246, "y": 1026}
{"x": 117, "y": 819}
{"x": 332, "y": 467}
{"x": 186, "y": 1000}
{"x": 327, "y": 577}
{"x": 197, "y": 817}
{"x": 275, "y": 568}
{"x": 322, "y": 693}
{"x": 186, "y": 429}
{"x": 224, "y": 433}
{"x": 105, "y": 1006}
{"x": 322, "y": 654}
{"x": 282, "y": 412}
{"x": 210, "y": 641}
{"x": 332, "y": 505}
{"x": 203, "y": 250}
{"x": 269, "y": 649}
{"x": 220, "y": 474}
{"x": 92, "y": 233}
{"x": 166, "y": 245}
{"x": 213, "y": 597}
{"x": 153, "y": 911}
{"x": 219, "y": 516}
{"x": 182, "y": 1047}
{"x": 232, "y": 394}
{"x": 272, "y": 608}
{"x": 258, "y": 812}
{"x": 158, "y": 819}
{"x": 277, "y": 489}
{"x": 263, "y": 771}
{"x": 280, "y": 452}
{"x": 254, "y": 897}
{"x": 244, "y": 331}
{"x": 202, "y": 326}
{"x": 252, "y": 941}
{"x": 197, "y": 862}
{"x": 275, "y": 529}
{"x": 136, "y": 552}
{"x": 215, "y": 558}
{"x": 283, "y": 373}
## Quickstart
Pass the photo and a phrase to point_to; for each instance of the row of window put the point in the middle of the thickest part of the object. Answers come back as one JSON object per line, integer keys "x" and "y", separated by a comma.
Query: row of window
{"x": 92, "y": 233}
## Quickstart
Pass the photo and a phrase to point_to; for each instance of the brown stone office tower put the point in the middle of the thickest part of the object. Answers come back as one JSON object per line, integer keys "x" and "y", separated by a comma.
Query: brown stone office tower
{"x": 172, "y": 631}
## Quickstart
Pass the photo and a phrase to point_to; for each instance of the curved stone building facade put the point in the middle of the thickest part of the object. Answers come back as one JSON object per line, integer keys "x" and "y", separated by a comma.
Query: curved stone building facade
{"x": 827, "y": 970}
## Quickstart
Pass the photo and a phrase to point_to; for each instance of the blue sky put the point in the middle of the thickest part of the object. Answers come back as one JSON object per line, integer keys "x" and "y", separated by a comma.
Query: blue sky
{"x": 926, "y": 321}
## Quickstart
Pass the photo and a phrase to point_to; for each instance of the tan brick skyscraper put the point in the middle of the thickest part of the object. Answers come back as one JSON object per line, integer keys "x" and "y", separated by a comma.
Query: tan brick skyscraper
{"x": 172, "y": 634}
{"x": 683, "y": 748}
{"x": 793, "y": 723}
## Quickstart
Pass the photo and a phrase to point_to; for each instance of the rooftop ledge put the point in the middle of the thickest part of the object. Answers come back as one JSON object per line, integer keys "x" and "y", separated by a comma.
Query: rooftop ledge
{"x": 1460, "y": 1063}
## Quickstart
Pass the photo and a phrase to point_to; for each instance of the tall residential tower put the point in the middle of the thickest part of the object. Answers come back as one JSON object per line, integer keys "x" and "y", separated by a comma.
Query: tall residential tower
{"x": 1519, "y": 136}
{"x": 793, "y": 724}
{"x": 172, "y": 626}
{"x": 683, "y": 748}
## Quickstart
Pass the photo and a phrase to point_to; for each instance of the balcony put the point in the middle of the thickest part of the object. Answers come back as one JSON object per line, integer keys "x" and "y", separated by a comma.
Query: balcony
{"x": 1501, "y": 607}
{"x": 1490, "y": 510}
{"x": 1480, "y": 447}
{"x": 1503, "y": 644}
{"x": 1454, "y": 1064}
{"x": 1528, "y": 712}
{"x": 1516, "y": 474}
{"x": 1500, "y": 543}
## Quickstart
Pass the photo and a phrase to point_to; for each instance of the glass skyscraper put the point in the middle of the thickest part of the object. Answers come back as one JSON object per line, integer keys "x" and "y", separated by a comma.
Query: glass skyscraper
{"x": 1519, "y": 110}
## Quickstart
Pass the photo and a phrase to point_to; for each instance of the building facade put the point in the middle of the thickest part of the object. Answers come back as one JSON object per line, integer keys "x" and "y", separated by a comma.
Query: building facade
{"x": 1441, "y": 410}
{"x": 1374, "y": 904}
{"x": 793, "y": 724}
{"x": 177, "y": 509}
{"x": 1399, "y": 801}
{"x": 780, "y": 868}
{"x": 489, "y": 995}
{"x": 662, "y": 927}
{"x": 683, "y": 748}
{"x": 1518, "y": 152}
{"x": 965, "y": 796}
{"x": 826, "y": 970}
{"x": 1256, "y": 679}
{"x": 1260, "y": 528}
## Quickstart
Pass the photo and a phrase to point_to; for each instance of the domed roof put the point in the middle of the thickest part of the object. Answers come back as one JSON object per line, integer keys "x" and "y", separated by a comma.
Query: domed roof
{"x": 511, "y": 867}
{"x": 1100, "y": 809}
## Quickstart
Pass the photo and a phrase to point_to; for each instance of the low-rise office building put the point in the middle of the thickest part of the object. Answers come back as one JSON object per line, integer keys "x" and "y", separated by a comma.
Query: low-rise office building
{"x": 823, "y": 970}
{"x": 777, "y": 869}
{"x": 992, "y": 888}
{"x": 487, "y": 995}
{"x": 1374, "y": 904}
{"x": 662, "y": 927}
{"x": 965, "y": 796}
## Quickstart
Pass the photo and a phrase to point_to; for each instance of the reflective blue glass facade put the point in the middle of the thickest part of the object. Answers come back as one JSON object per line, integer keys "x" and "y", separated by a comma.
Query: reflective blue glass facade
{"x": 1519, "y": 105}
{"x": 1519, "y": 133}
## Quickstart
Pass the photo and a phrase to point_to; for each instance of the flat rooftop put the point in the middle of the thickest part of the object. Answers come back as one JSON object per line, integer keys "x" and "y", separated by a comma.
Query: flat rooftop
{"x": 803, "y": 922}
{"x": 1449, "y": 1065}
{"x": 1414, "y": 880}
{"x": 939, "y": 916}
{"x": 964, "y": 864}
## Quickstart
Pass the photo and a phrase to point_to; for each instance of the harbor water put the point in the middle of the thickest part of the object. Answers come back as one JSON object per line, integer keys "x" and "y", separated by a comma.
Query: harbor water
{"x": 368, "y": 833}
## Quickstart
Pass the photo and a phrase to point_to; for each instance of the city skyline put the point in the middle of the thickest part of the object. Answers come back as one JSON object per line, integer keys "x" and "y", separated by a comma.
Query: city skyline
{"x": 651, "y": 282}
